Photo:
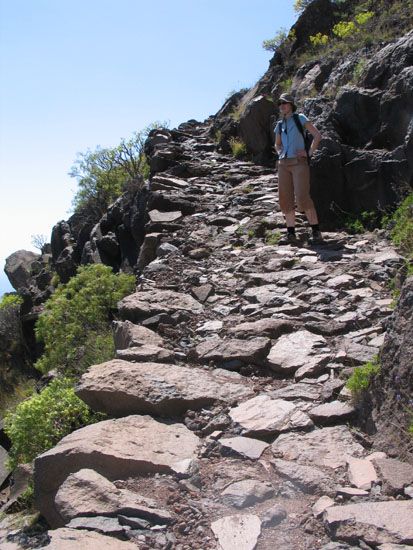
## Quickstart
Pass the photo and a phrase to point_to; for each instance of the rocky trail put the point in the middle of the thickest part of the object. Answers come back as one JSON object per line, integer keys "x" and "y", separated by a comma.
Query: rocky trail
{"x": 229, "y": 424}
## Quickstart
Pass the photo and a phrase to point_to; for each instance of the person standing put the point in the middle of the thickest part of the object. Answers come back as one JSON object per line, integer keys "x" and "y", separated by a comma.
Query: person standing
{"x": 294, "y": 169}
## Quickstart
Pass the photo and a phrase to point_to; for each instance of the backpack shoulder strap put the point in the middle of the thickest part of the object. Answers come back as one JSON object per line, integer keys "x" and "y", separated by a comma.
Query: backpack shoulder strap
{"x": 298, "y": 123}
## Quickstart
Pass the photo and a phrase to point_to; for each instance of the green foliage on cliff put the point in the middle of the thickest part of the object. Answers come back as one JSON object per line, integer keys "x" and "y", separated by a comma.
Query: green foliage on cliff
{"x": 10, "y": 300}
{"x": 38, "y": 423}
{"x": 361, "y": 378}
{"x": 103, "y": 174}
{"x": 75, "y": 325}
{"x": 402, "y": 226}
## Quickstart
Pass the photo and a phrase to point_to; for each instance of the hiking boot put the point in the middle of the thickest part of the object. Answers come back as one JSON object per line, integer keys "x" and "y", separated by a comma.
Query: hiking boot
{"x": 316, "y": 238}
{"x": 289, "y": 238}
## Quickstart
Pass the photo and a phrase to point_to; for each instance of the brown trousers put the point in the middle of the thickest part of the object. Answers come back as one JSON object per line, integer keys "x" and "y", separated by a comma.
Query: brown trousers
{"x": 294, "y": 184}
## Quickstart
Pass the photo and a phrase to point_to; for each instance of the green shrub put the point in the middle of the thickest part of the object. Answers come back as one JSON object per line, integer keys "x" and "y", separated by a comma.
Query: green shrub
{"x": 272, "y": 237}
{"x": 402, "y": 230}
{"x": 75, "y": 325}
{"x": 238, "y": 147}
{"x": 361, "y": 378}
{"x": 38, "y": 423}
{"x": 318, "y": 39}
{"x": 9, "y": 300}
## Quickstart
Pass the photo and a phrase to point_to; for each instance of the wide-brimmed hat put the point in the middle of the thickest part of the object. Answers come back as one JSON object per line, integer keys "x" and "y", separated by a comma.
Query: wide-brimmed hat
{"x": 288, "y": 99}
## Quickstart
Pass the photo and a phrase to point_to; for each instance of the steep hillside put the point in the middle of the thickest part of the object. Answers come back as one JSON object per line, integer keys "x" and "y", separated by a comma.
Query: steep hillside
{"x": 260, "y": 393}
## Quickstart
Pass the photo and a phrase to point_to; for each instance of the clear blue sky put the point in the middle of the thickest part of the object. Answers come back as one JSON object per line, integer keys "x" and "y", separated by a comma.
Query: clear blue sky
{"x": 80, "y": 73}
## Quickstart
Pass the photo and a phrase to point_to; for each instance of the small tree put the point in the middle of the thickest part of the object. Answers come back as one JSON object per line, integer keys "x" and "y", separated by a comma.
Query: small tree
{"x": 38, "y": 241}
{"x": 103, "y": 174}
{"x": 280, "y": 40}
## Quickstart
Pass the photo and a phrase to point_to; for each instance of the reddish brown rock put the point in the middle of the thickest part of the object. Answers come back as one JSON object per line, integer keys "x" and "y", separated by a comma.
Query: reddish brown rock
{"x": 116, "y": 449}
{"x": 121, "y": 388}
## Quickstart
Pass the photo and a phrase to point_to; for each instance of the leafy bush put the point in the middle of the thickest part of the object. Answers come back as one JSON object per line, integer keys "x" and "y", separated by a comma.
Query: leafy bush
{"x": 402, "y": 230}
{"x": 363, "y": 17}
{"x": 9, "y": 300}
{"x": 238, "y": 147}
{"x": 318, "y": 39}
{"x": 74, "y": 326}
{"x": 361, "y": 378}
{"x": 359, "y": 223}
{"x": 38, "y": 423}
{"x": 344, "y": 29}
{"x": 103, "y": 174}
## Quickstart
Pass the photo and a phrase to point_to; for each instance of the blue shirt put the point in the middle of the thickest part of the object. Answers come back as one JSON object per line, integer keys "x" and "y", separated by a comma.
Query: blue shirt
{"x": 291, "y": 137}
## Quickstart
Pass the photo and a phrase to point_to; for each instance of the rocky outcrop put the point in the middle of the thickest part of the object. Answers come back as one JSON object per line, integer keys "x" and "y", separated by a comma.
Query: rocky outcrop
{"x": 393, "y": 388}
{"x": 243, "y": 347}
{"x": 116, "y": 449}
{"x": 363, "y": 150}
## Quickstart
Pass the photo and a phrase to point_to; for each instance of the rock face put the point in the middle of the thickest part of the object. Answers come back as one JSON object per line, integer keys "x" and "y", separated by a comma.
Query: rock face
{"x": 373, "y": 522}
{"x": 216, "y": 349}
{"x": 120, "y": 388}
{"x": 394, "y": 387}
{"x": 115, "y": 449}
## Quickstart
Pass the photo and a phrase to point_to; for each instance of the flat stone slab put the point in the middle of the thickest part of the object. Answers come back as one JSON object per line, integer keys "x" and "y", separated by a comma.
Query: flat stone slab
{"x": 247, "y": 492}
{"x": 272, "y": 328}
{"x": 147, "y": 303}
{"x": 395, "y": 474}
{"x": 351, "y": 492}
{"x": 128, "y": 335}
{"x": 87, "y": 493}
{"x": 329, "y": 447}
{"x": 296, "y": 350}
{"x": 373, "y": 522}
{"x": 321, "y": 505}
{"x": 301, "y": 390}
{"x": 244, "y": 446}
{"x": 143, "y": 353}
{"x": 79, "y": 539}
{"x": 238, "y": 532}
{"x": 120, "y": 388}
{"x": 156, "y": 216}
{"x": 218, "y": 349}
{"x": 308, "y": 479}
{"x": 361, "y": 473}
{"x": 101, "y": 524}
{"x": 116, "y": 449}
{"x": 331, "y": 412}
{"x": 263, "y": 416}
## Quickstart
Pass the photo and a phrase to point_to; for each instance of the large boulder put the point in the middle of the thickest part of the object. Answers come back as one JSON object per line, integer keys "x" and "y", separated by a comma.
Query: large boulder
{"x": 116, "y": 449}
{"x": 254, "y": 127}
{"x": 372, "y": 522}
{"x": 87, "y": 493}
{"x": 119, "y": 388}
{"x": 145, "y": 303}
{"x": 18, "y": 268}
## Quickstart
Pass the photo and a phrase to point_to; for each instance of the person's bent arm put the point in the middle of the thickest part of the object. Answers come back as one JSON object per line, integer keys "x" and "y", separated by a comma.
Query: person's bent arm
{"x": 278, "y": 143}
{"x": 316, "y": 136}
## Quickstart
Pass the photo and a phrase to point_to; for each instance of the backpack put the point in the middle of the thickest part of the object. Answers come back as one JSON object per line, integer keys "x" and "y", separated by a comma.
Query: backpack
{"x": 307, "y": 137}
